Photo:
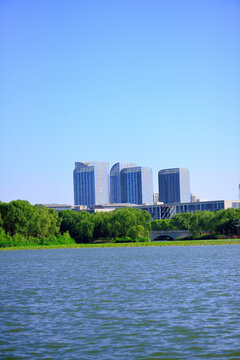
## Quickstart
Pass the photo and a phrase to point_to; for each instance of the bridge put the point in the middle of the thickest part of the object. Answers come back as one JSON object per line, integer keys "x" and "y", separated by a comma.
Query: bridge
{"x": 158, "y": 235}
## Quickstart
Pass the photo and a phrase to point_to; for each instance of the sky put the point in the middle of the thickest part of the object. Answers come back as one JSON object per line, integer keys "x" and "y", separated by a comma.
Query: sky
{"x": 155, "y": 82}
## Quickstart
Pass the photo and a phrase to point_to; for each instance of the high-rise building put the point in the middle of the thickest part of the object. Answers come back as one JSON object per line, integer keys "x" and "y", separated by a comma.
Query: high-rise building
{"x": 136, "y": 185}
{"x": 115, "y": 186}
{"x": 155, "y": 198}
{"x": 174, "y": 185}
{"x": 91, "y": 183}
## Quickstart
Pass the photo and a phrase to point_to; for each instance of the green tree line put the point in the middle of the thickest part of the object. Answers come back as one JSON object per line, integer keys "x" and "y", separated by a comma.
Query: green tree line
{"x": 23, "y": 224}
{"x": 118, "y": 224}
{"x": 221, "y": 222}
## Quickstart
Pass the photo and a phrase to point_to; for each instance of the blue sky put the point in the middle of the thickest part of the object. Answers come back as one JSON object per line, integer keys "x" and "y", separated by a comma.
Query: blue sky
{"x": 156, "y": 83}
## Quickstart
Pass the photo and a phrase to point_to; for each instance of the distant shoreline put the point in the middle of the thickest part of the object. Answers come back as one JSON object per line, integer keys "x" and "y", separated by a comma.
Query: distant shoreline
{"x": 140, "y": 244}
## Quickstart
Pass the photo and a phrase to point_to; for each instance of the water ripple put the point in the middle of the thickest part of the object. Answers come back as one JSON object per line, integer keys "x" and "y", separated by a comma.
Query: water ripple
{"x": 124, "y": 303}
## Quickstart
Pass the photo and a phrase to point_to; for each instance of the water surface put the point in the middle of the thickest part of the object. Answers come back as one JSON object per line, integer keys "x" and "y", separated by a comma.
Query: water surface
{"x": 121, "y": 303}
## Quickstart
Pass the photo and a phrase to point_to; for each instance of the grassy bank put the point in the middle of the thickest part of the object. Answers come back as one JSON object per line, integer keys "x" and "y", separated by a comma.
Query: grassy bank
{"x": 140, "y": 244}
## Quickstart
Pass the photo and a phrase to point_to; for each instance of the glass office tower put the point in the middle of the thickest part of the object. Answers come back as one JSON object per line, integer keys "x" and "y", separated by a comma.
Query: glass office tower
{"x": 91, "y": 183}
{"x": 136, "y": 185}
{"x": 174, "y": 185}
{"x": 115, "y": 187}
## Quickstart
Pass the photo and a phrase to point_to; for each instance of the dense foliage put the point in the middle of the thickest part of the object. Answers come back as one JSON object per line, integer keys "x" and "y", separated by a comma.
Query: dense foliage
{"x": 22, "y": 224}
{"x": 121, "y": 223}
{"x": 222, "y": 222}
{"x": 19, "y": 217}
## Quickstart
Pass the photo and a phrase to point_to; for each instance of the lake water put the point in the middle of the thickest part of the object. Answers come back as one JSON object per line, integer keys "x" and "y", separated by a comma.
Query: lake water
{"x": 121, "y": 303}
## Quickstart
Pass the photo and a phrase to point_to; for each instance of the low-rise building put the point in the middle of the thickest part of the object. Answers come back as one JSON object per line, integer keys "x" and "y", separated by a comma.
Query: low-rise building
{"x": 157, "y": 211}
{"x": 60, "y": 207}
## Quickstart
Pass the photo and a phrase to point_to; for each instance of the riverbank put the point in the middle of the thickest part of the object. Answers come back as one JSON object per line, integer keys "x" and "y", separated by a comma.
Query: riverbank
{"x": 140, "y": 244}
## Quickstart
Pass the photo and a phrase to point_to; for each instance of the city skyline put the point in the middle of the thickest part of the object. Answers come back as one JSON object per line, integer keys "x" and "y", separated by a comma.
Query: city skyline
{"x": 94, "y": 184}
{"x": 127, "y": 183}
{"x": 153, "y": 83}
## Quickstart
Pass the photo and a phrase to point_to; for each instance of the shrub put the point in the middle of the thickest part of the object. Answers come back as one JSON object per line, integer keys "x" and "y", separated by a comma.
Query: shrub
{"x": 124, "y": 240}
{"x": 60, "y": 240}
{"x": 143, "y": 239}
{"x": 5, "y": 239}
{"x": 5, "y": 243}
{"x": 207, "y": 237}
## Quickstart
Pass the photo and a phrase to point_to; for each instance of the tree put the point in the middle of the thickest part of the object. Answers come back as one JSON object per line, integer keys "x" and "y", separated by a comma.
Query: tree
{"x": 20, "y": 217}
{"x": 162, "y": 224}
{"x": 206, "y": 221}
{"x": 136, "y": 231}
{"x": 227, "y": 221}
{"x": 182, "y": 221}
{"x": 114, "y": 229}
{"x": 101, "y": 222}
{"x": 79, "y": 225}
{"x": 122, "y": 220}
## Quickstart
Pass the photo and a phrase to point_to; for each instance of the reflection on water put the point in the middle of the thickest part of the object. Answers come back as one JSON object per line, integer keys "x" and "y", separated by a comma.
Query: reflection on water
{"x": 120, "y": 303}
